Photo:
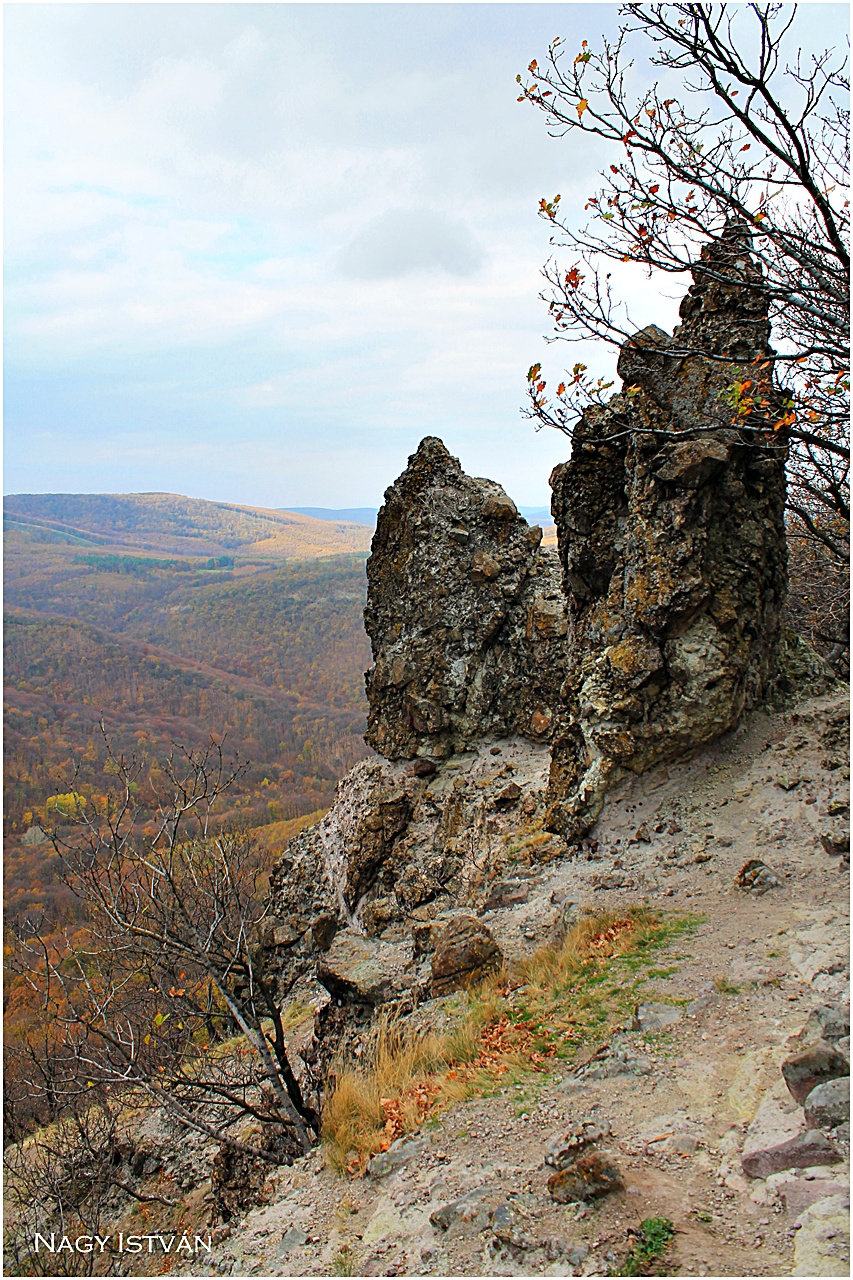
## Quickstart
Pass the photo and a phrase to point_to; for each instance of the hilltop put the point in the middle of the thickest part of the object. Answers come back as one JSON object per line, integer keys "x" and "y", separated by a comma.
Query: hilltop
{"x": 169, "y": 523}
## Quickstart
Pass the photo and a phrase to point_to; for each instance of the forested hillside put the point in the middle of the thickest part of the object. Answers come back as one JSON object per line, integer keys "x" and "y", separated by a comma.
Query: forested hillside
{"x": 264, "y": 652}
{"x": 171, "y": 522}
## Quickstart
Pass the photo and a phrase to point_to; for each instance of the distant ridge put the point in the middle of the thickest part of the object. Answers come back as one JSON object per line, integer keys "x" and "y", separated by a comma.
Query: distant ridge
{"x": 170, "y": 523}
{"x": 537, "y": 515}
{"x": 350, "y": 515}
{"x": 367, "y": 515}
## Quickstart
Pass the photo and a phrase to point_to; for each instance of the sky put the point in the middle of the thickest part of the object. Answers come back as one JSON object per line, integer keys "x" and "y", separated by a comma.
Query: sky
{"x": 255, "y": 253}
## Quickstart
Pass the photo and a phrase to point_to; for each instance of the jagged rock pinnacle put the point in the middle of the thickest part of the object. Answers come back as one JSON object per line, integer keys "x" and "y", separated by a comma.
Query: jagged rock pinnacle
{"x": 465, "y": 614}
{"x": 672, "y": 540}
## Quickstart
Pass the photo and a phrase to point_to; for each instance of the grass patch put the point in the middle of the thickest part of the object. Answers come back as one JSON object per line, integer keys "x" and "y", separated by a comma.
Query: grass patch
{"x": 408, "y": 1078}
{"x": 650, "y": 1243}
{"x": 591, "y": 983}
{"x": 344, "y": 1262}
{"x": 725, "y": 987}
{"x": 295, "y": 1014}
{"x": 505, "y": 1030}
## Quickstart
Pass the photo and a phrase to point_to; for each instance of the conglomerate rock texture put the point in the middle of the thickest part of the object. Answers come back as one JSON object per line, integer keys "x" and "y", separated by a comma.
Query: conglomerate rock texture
{"x": 465, "y": 614}
{"x": 672, "y": 542}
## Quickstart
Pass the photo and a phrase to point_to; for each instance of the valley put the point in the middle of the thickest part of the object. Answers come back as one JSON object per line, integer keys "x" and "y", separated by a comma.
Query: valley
{"x": 168, "y": 620}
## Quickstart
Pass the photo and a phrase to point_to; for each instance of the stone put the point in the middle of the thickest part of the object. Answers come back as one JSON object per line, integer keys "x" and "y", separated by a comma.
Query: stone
{"x": 465, "y": 614}
{"x": 564, "y": 1147}
{"x": 826, "y": 1022}
{"x": 822, "y": 1241}
{"x": 811, "y": 1066}
{"x": 506, "y": 893}
{"x": 828, "y": 1104}
{"x": 509, "y": 797}
{"x": 554, "y": 1247}
{"x": 399, "y": 1154}
{"x": 503, "y": 1217}
{"x": 777, "y": 1140}
{"x": 324, "y": 873}
{"x": 798, "y": 1194}
{"x": 465, "y": 953}
{"x": 655, "y": 1017}
{"x": 589, "y": 1176}
{"x": 671, "y": 538}
{"x": 467, "y": 1208}
{"x": 756, "y": 877}
{"x": 577, "y": 1254}
{"x": 836, "y": 840}
{"x": 363, "y": 969}
{"x": 292, "y": 1239}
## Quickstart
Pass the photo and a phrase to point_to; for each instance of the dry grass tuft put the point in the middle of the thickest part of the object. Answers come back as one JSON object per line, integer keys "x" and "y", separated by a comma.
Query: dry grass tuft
{"x": 410, "y": 1075}
{"x": 556, "y": 999}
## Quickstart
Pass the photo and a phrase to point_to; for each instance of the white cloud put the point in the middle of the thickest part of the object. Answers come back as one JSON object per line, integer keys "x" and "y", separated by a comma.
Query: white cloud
{"x": 254, "y": 236}
{"x": 405, "y": 240}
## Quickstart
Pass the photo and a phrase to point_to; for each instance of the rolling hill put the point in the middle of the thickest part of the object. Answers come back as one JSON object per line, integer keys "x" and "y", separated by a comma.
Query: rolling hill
{"x": 169, "y": 523}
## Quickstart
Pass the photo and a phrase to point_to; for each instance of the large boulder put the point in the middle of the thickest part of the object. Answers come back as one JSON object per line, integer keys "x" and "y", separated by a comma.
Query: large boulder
{"x": 465, "y": 953}
{"x": 365, "y": 970}
{"x": 672, "y": 542}
{"x": 811, "y": 1066}
{"x": 465, "y": 613}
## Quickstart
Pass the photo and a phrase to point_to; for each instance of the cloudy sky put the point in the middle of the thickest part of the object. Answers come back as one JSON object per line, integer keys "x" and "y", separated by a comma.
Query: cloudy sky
{"x": 256, "y": 252}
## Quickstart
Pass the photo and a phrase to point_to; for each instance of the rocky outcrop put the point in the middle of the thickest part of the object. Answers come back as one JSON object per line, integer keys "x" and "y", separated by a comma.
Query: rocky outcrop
{"x": 511, "y": 686}
{"x": 371, "y": 908}
{"x": 672, "y": 544}
{"x": 465, "y": 614}
{"x": 465, "y": 953}
{"x": 398, "y": 849}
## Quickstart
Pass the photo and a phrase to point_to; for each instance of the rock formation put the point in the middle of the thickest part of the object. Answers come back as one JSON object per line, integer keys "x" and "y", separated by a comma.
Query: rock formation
{"x": 494, "y": 723}
{"x": 396, "y": 850}
{"x": 465, "y": 614}
{"x": 672, "y": 543}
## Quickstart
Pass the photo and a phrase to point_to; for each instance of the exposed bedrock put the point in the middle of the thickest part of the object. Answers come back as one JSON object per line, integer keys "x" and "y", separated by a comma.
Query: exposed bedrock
{"x": 672, "y": 543}
{"x": 465, "y": 613}
{"x": 370, "y": 903}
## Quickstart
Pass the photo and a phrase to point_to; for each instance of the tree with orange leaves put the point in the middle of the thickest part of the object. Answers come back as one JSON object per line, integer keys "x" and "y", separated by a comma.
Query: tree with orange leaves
{"x": 756, "y": 133}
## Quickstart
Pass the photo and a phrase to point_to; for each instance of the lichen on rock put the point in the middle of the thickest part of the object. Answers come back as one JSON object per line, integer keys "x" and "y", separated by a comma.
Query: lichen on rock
{"x": 672, "y": 543}
{"x": 465, "y": 614}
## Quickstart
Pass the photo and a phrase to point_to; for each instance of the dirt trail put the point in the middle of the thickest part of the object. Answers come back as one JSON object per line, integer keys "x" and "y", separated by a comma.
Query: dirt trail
{"x": 679, "y": 1099}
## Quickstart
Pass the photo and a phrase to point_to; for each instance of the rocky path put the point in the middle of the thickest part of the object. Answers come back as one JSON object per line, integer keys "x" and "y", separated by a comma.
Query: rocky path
{"x": 696, "y": 1087}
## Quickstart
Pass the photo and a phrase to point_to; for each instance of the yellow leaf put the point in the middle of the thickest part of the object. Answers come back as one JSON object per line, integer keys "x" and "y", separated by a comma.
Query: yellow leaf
{"x": 582, "y": 106}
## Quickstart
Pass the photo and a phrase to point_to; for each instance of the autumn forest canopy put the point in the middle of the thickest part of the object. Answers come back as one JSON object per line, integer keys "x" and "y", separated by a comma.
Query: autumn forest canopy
{"x": 167, "y": 620}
